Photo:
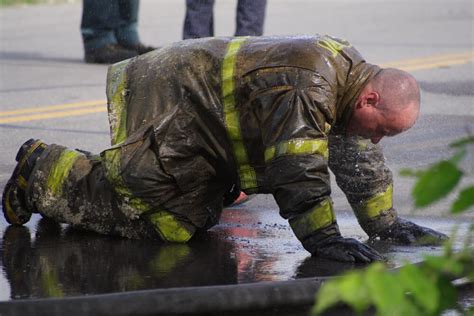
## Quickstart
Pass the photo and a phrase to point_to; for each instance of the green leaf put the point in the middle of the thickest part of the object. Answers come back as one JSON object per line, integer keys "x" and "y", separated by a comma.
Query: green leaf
{"x": 470, "y": 276}
{"x": 423, "y": 290}
{"x": 458, "y": 156}
{"x": 464, "y": 200}
{"x": 448, "y": 294}
{"x": 436, "y": 183}
{"x": 445, "y": 264}
{"x": 463, "y": 142}
{"x": 348, "y": 289}
{"x": 327, "y": 296}
{"x": 388, "y": 295}
{"x": 353, "y": 291}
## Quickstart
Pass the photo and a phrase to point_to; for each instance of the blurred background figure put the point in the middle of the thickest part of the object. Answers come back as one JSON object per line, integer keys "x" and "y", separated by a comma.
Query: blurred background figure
{"x": 199, "y": 19}
{"x": 109, "y": 31}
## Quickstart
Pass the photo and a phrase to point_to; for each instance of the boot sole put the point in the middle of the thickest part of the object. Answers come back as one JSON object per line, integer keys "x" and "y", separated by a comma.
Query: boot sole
{"x": 16, "y": 182}
{"x": 9, "y": 212}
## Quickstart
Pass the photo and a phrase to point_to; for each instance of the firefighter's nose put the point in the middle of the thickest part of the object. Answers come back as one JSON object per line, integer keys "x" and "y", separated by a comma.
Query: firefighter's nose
{"x": 375, "y": 140}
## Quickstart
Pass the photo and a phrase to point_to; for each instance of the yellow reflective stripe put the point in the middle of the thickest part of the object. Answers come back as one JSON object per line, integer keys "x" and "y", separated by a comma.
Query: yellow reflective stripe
{"x": 169, "y": 228}
{"x": 112, "y": 160}
{"x": 322, "y": 215}
{"x": 116, "y": 92}
{"x": 22, "y": 183}
{"x": 332, "y": 45}
{"x": 228, "y": 72}
{"x": 375, "y": 205}
{"x": 132, "y": 281}
{"x": 165, "y": 223}
{"x": 169, "y": 257}
{"x": 327, "y": 128}
{"x": 11, "y": 214}
{"x": 33, "y": 147}
{"x": 49, "y": 279}
{"x": 248, "y": 179}
{"x": 363, "y": 144}
{"x": 60, "y": 170}
{"x": 298, "y": 147}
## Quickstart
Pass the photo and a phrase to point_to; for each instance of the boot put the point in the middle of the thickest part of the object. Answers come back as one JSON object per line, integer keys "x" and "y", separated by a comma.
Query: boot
{"x": 140, "y": 48}
{"x": 13, "y": 199}
{"x": 109, "y": 54}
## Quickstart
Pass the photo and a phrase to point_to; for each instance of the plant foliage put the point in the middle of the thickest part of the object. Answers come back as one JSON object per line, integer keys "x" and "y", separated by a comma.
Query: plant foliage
{"x": 423, "y": 289}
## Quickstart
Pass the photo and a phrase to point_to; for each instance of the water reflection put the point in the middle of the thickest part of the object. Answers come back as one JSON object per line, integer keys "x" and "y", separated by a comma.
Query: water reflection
{"x": 53, "y": 260}
{"x": 250, "y": 245}
{"x": 65, "y": 262}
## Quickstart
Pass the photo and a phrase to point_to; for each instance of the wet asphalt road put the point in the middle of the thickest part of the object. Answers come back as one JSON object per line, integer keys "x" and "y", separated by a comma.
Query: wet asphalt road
{"x": 41, "y": 65}
{"x": 251, "y": 244}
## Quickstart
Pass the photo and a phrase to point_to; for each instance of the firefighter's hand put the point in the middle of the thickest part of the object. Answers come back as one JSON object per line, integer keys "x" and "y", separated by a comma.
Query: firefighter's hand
{"x": 408, "y": 233}
{"x": 347, "y": 250}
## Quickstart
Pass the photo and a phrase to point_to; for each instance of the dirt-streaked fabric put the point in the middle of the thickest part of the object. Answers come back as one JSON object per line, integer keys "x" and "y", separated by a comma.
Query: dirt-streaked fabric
{"x": 191, "y": 120}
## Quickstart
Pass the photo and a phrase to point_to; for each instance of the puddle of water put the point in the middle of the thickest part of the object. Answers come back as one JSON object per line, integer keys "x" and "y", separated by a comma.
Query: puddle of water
{"x": 252, "y": 244}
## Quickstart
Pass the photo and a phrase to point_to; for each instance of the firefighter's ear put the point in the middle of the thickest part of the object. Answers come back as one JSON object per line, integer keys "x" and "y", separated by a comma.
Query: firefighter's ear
{"x": 373, "y": 99}
{"x": 368, "y": 99}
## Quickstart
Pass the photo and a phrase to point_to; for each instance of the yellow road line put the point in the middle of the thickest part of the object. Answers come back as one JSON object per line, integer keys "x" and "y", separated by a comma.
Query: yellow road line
{"x": 53, "y": 107}
{"x": 49, "y": 115}
{"x": 96, "y": 106}
{"x": 431, "y": 61}
{"x": 439, "y": 64}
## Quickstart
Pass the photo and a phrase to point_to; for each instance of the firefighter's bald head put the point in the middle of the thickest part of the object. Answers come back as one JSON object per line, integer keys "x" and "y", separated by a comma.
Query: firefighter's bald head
{"x": 388, "y": 105}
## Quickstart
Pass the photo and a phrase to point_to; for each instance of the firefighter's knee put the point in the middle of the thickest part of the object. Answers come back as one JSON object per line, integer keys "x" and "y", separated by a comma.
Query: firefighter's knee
{"x": 170, "y": 228}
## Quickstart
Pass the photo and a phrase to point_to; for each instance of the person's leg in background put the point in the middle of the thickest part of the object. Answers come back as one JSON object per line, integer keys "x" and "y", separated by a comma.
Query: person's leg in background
{"x": 99, "y": 20}
{"x": 250, "y": 17}
{"x": 199, "y": 19}
{"x": 127, "y": 29}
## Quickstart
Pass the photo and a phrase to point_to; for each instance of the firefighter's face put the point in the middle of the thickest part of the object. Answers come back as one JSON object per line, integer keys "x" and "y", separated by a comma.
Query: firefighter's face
{"x": 371, "y": 124}
{"x": 370, "y": 121}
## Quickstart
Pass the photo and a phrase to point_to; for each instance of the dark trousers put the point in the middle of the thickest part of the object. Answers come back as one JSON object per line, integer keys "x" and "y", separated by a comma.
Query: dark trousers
{"x": 107, "y": 22}
{"x": 199, "y": 19}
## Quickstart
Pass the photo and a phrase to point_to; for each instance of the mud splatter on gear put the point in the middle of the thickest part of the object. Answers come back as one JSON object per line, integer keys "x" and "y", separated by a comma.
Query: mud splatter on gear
{"x": 191, "y": 120}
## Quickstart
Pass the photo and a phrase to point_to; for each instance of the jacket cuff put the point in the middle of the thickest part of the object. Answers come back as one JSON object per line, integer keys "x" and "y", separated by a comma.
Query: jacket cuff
{"x": 374, "y": 206}
{"x": 318, "y": 238}
{"x": 375, "y": 225}
{"x": 318, "y": 217}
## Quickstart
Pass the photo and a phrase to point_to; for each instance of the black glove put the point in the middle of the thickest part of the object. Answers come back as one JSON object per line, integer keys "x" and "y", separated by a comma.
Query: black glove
{"x": 408, "y": 233}
{"x": 328, "y": 243}
{"x": 347, "y": 250}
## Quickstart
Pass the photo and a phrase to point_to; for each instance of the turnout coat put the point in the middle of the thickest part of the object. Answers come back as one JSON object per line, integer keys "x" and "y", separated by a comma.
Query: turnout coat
{"x": 193, "y": 120}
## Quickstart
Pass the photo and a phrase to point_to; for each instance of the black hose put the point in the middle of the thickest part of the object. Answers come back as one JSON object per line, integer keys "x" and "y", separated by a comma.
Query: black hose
{"x": 203, "y": 299}
{"x": 186, "y": 300}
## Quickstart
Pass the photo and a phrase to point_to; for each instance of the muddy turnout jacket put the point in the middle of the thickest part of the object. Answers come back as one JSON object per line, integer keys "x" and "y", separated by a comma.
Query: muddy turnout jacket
{"x": 191, "y": 120}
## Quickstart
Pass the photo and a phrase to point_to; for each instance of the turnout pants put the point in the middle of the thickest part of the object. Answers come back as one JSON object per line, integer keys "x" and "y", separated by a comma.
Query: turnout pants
{"x": 125, "y": 191}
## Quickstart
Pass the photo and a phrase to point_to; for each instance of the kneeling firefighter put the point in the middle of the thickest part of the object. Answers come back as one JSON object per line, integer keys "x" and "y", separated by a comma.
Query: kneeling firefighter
{"x": 197, "y": 119}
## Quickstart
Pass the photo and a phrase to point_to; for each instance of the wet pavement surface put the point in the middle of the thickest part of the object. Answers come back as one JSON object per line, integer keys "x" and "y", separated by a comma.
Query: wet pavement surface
{"x": 251, "y": 244}
{"x": 42, "y": 66}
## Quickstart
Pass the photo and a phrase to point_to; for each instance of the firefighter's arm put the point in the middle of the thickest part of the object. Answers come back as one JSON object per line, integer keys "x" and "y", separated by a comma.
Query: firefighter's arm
{"x": 361, "y": 173}
{"x": 300, "y": 189}
{"x": 296, "y": 165}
